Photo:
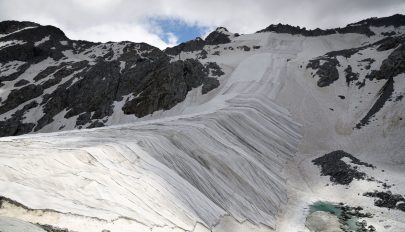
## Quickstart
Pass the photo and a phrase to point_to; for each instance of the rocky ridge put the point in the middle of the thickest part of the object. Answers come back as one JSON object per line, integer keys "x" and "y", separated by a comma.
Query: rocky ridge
{"x": 361, "y": 27}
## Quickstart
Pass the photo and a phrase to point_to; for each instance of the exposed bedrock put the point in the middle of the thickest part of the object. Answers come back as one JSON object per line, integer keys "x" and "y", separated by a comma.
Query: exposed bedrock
{"x": 168, "y": 85}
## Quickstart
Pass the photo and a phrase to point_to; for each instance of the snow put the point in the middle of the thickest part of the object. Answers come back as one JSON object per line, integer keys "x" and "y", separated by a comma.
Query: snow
{"x": 35, "y": 69}
{"x": 33, "y": 115}
{"x": 10, "y": 67}
{"x": 118, "y": 50}
{"x": 14, "y": 225}
{"x": 26, "y": 28}
{"x": 46, "y": 38}
{"x": 130, "y": 170}
{"x": 10, "y": 43}
{"x": 317, "y": 220}
{"x": 71, "y": 56}
{"x": 60, "y": 123}
{"x": 64, "y": 42}
{"x": 122, "y": 66}
{"x": 28, "y": 75}
{"x": 118, "y": 115}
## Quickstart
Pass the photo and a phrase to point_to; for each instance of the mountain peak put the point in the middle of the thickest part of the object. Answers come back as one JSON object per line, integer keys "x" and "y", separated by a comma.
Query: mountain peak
{"x": 219, "y": 36}
{"x": 221, "y": 29}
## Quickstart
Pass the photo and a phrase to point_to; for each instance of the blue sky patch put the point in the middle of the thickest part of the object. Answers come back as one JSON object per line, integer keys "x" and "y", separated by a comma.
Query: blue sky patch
{"x": 183, "y": 31}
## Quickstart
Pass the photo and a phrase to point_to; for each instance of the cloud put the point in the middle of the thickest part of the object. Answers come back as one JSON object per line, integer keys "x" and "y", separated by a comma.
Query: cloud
{"x": 115, "y": 20}
{"x": 121, "y": 32}
{"x": 172, "y": 38}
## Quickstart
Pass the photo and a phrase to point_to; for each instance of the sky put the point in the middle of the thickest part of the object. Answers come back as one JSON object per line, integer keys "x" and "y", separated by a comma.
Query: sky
{"x": 164, "y": 23}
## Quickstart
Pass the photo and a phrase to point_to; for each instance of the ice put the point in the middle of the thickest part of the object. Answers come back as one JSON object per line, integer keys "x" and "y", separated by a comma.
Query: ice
{"x": 14, "y": 225}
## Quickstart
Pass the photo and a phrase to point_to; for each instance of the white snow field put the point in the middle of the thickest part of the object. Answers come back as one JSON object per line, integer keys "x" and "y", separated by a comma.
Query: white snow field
{"x": 234, "y": 160}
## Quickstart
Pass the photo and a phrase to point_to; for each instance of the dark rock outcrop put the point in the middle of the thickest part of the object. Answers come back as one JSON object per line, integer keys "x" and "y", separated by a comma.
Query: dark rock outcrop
{"x": 214, "y": 69}
{"x": 209, "y": 84}
{"x": 166, "y": 87}
{"x": 28, "y": 52}
{"x": 387, "y": 200}
{"x": 350, "y": 75}
{"x": 393, "y": 65}
{"x": 384, "y": 95}
{"x": 327, "y": 71}
{"x": 339, "y": 171}
{"x": 21, "y": 83}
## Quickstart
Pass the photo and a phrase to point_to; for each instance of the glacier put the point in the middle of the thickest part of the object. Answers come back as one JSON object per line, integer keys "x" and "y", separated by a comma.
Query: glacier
{"x": 235, "y": 159}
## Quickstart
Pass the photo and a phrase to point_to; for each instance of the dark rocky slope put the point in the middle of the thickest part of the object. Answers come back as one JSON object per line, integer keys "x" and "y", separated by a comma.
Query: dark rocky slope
{"x": 42, "y": 69}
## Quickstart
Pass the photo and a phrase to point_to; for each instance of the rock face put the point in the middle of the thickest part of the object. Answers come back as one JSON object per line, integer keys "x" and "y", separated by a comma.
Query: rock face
{"x": 168, "y": 86}
{"x": 46, "y": 75}
{"x": 219, "y": 36}
{"x": 339, "y": 171}
{"x": 327, "y": 71}
{"x": 362, "y": 27}
{"x": 395, "y": 63}
{"x": 387, "y": 200}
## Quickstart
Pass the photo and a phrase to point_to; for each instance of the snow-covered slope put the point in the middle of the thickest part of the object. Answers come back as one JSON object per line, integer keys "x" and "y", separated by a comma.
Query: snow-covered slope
{"x": 235, "y": 158}
{"x": 224, "y": 160}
